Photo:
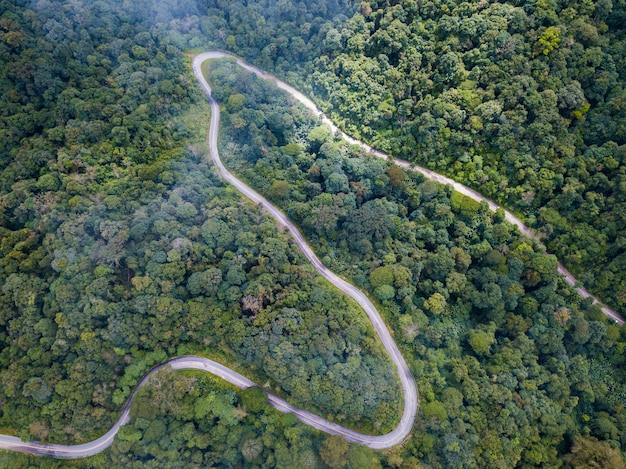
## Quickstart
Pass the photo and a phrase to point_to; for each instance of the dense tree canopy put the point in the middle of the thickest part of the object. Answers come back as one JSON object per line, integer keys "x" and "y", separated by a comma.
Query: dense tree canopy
{"x": 514, "y": 368}
{"x": 522, "y": 101}
{"x": 119, "y": 247}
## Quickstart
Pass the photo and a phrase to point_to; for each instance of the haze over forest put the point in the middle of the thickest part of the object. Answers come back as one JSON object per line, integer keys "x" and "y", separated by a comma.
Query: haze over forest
{"x": 120, "y": 247}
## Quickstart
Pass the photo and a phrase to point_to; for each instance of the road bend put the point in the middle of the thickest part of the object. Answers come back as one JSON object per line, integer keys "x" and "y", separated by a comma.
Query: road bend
{"x": 409, "y": 389}
{"x": 411, "y": 399}
{"x": 429, "y": 174}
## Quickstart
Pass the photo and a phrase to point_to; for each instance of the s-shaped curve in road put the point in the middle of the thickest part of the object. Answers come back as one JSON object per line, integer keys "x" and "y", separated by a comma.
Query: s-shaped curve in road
{"x": 406, "y": 380}
{"x": 429, "y": 174}
{"x": 409, "y": 389}
{"x": 199, "y": 363}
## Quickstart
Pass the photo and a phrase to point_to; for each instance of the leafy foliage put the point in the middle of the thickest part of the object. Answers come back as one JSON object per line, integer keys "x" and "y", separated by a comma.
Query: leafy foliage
{"x": 524, "y": 102}
{"x": 119, "y": 248}
{"x": 511, "y": 363}
{"x": 521, "y": 101}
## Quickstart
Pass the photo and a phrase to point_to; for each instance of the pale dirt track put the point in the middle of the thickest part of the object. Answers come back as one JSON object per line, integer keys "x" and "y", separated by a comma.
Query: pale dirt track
{"x": 411, "y": 399}
{"x": 429, "y": 174}
{"x": 409, "y": 389}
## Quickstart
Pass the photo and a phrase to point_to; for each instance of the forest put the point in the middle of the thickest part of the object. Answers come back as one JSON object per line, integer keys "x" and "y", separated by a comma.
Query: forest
{"x": 120, "y": 247}
{"x": 523, "y": 101}
{"x": 491, "y": 331}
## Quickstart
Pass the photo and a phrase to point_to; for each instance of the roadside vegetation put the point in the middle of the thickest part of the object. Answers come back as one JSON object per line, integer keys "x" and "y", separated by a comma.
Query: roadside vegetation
{"x": 119, "y": 247}
{"x": 492, "y": 333}
{"x": 524, "y": 102}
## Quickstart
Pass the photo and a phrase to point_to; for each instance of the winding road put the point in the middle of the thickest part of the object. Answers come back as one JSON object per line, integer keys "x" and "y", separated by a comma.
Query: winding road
{"x": 406, "y": 380}
{"x": 409, "y": 390}
{"x": 411, "y": 399}
{"x": 429, "y": 174}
